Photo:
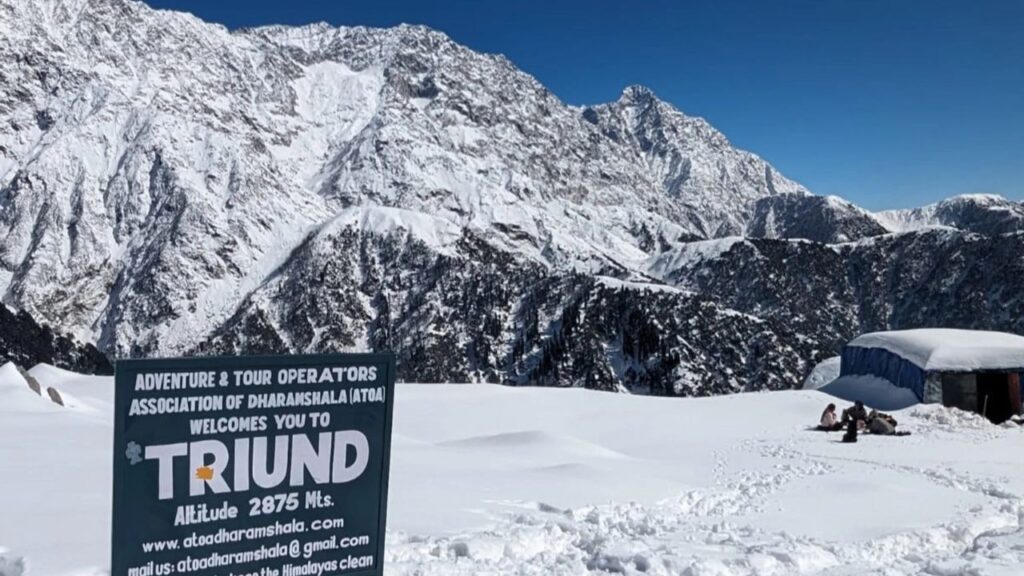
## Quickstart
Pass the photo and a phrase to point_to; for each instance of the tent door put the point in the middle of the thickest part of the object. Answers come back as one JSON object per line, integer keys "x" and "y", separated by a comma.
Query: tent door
{"x": 998, "y": 396}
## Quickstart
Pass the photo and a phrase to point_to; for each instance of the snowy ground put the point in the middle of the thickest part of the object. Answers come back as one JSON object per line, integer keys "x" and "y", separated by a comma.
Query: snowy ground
{"x": 492, "y": 480}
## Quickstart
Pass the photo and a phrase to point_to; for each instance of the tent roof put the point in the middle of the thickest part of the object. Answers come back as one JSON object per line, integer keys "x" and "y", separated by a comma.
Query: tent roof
{"x": 949, "y": 350}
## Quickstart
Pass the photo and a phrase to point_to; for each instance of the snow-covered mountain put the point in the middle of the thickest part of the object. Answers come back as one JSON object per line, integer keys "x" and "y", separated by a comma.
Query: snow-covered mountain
{"x": 169, "y": 186}
{"x": 981, "y": 213}
{"x": 468, "y": 311}
{"x": 819, "y": 218}
{"x": 693, "y": 163}
{"x": 155, "y": 169}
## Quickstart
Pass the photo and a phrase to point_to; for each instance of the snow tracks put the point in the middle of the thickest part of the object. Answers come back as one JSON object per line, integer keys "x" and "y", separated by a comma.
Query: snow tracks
{"x": 721, "y": 530}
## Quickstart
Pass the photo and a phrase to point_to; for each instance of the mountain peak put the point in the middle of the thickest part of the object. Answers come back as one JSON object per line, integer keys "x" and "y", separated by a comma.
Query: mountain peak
{"x": 637, "y": 94}
{"x": 977, "y": 198}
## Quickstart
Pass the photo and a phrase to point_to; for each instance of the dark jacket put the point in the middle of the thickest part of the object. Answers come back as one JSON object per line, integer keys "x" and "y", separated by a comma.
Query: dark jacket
{"x": 855, "y": 413}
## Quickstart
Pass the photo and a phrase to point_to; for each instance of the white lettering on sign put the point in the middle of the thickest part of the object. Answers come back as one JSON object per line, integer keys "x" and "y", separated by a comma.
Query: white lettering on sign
{"x": 211, "y": 462}
{"x": 175, "y": 381}
{"x": 333, "y": 375}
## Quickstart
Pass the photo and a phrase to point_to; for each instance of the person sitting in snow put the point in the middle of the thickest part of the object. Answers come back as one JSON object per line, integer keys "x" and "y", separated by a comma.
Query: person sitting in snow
{"x": 878, "y": 424}
{"x": 883, "y": 424}
{"x": 856, "y": 413}
{"x": 829, "y": 422}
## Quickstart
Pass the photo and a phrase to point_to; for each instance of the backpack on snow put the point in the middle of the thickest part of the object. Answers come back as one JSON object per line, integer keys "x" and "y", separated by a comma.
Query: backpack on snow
{"x": 851, "y": 433}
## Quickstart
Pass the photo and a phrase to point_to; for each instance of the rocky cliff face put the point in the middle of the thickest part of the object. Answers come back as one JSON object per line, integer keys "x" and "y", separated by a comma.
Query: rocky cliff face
{"x": 168, "y": 186}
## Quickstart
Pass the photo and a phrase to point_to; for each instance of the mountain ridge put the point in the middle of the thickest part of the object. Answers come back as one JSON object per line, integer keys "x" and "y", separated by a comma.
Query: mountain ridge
{"x": 169, "y": 186}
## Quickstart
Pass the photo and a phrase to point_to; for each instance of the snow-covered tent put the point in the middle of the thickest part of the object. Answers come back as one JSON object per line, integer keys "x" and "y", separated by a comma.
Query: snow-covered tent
{"x": 969, "y": 369}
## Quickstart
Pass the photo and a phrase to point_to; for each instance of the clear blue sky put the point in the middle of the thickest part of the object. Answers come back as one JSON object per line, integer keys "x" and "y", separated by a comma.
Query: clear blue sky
{"x": 889, "y": 103}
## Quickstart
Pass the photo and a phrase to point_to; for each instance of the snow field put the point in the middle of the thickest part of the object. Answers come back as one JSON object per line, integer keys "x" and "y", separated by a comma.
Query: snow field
{"x": 702, "y": 532}
{"x": 755, "y": 493}
{"x": 528, "y": 481}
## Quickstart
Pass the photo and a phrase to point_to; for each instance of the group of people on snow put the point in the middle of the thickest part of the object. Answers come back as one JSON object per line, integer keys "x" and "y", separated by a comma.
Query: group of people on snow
{"x": 856, "y": 419}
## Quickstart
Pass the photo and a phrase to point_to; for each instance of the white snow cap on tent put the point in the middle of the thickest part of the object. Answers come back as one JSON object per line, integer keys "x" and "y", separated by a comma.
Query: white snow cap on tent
{"x": 950, "y": 350}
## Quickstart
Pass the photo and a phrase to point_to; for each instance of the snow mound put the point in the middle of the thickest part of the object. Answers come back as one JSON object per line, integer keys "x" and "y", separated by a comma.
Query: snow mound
{"x": 825, "y": 372}
{"x": 58, "y": 389}
{"x": 10, "y": 377}
{"x": 17, "y": 396}
{"x": 950, "y": 419}
{"x": 11, "y": 565}
{"x": 79, "y": 391}
{"x": 873, "y": 391}
{"x": 945, "y": 349}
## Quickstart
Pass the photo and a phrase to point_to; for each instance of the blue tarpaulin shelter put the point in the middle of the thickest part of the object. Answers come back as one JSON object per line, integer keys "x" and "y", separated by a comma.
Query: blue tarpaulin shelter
{"x": 975, "y": 370}
{"x": 883, "y": 364}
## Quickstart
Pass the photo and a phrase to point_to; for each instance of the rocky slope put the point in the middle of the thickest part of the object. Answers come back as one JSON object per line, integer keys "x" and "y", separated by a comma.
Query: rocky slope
{"x": 933, "y": 277}
{"x": 456, "y": 308}
{"x": 26, "y": 343}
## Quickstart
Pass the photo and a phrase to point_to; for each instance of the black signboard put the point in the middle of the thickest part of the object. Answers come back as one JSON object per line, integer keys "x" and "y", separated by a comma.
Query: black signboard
{"x": 264, "y": 466}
